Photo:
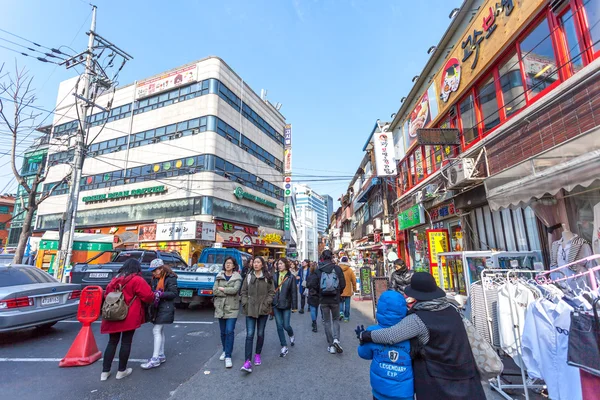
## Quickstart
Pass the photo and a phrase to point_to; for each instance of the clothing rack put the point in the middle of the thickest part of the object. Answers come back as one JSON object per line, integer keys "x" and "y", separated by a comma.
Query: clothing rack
{"x": 544, "y": 277}
{"x": 492, "y": 279}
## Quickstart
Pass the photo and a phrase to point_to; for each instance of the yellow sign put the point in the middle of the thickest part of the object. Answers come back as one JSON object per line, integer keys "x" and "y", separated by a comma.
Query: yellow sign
{"x": 496, "y": 24}
{"x": 272, "y": 238}
{"x": 437, "y": 239}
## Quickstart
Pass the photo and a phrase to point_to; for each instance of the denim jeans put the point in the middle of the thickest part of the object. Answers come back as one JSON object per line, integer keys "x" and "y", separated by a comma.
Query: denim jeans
{"x": 345, "y": 306}
{"x": 227, "y": 326}
{"x": 314, "y": 311}
{"x": 255, "y": 325}
{"x": 331, "y": 314}
{"x": 282, "y": 319}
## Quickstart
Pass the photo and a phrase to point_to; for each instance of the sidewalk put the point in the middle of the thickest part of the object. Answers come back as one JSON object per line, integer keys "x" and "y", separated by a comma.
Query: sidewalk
{"x": 308, "y": 372}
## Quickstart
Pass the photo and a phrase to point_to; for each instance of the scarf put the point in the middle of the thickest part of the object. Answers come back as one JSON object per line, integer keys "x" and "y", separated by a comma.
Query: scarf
{"x": 161, "y": 281}
{"x": 432, "y": 305}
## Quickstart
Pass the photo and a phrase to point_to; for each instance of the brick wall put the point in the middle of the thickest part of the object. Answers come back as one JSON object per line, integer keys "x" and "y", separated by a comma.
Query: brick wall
{"x": 576, "y": 113}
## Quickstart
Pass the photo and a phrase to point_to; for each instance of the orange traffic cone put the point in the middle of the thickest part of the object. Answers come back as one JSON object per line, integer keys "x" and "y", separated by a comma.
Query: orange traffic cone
{"x": 83, "y": 351}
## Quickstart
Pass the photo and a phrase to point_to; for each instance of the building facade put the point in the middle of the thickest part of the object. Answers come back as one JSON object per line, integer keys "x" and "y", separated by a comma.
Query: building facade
{"x": 7, "y": 204}
{"x": 191, "y": 149}
{"x": 305, "y": 196}
{"x": 308, "y": 235}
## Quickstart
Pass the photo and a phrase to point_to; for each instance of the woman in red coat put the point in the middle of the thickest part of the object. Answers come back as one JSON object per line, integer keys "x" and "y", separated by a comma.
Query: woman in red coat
{"x": 135, "y": 291}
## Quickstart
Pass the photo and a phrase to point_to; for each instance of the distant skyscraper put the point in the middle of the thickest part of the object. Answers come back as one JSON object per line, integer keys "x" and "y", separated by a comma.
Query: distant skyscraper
{"x": 305, "y": 196}
{"x": 329, "y": 204}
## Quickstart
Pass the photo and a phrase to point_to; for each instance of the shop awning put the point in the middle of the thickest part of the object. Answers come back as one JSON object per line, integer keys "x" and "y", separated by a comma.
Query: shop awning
{"x": 369, "y": 247}
{"x": 573, "y": 163}
{"x": 364, "y": 196}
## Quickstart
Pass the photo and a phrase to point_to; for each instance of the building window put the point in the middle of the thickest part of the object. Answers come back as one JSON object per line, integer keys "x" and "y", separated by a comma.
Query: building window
{"x": 511, "y": 83}
{"x": 592, "y": 13}
{"x": 469, "y": 123}
{"x": 573, "y": 50}
{"x": 539, "y": 60}
{"x": 4, "y": 210}
{"x": 489, "y": 104}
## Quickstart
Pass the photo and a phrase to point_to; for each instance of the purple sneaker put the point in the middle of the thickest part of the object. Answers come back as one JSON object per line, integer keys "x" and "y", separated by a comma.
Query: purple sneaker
{"x": 247, "y": 366}
{"x": 257, "y": 360}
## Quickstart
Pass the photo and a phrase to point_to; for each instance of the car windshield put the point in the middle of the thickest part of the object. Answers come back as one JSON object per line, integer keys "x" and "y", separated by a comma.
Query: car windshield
{"x": 126, "y": 255}
{"x": 218, "y": 258}
{"x": 14, "y": 276}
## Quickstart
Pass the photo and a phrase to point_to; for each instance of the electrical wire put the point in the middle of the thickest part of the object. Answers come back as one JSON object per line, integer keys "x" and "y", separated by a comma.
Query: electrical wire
{"x": 34, "y": 43}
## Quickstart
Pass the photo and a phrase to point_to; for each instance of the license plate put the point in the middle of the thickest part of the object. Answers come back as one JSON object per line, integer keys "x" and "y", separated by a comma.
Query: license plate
{"x": 98, "y": 275}
{"x": 48, "y": 301}
{"x": 186, "y": 293}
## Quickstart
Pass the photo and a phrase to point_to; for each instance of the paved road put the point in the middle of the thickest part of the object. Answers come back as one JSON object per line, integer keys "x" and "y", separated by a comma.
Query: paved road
{"x": 29, "y": 364}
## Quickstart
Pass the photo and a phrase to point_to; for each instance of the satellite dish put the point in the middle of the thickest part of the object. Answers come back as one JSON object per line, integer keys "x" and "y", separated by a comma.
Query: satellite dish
{"x": 392, "y": 256}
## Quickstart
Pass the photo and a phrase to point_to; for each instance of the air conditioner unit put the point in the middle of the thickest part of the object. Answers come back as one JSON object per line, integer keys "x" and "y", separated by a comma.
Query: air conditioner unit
{"x": 461, "y": 173}
{"x": 370, "y": 229}
{"x": 155, "y": 140}
{"x": 178, "y": 135}
{"x": 195, "y": 131}
{"x": 386, "y": 229}
{"x": 377, "y": 223}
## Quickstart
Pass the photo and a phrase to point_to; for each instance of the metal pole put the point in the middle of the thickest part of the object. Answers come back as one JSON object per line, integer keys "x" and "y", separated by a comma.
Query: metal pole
{"x": 66, "y": 250}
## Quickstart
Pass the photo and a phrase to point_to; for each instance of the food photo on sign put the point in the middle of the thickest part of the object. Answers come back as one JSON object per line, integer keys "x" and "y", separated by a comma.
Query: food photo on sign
{"x": 450, "y": 78}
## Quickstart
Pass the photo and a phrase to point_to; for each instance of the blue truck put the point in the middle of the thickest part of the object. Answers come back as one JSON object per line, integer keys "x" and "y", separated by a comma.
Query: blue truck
{"x": 196, "y": 282}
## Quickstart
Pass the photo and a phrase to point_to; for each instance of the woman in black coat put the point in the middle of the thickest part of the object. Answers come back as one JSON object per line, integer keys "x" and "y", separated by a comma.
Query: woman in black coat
{"x": 284, "y": 302}
{"x": 162, "y": 311}
{"x": 312, "y": 288}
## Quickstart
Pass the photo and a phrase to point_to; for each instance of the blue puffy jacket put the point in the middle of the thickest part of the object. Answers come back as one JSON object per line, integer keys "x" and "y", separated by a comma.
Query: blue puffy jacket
{"x": 391, "y": 368}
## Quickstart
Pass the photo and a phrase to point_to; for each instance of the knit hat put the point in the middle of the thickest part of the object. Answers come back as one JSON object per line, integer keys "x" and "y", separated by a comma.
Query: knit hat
{"x": 156, "y": 263}
{"x": 344, "y": 260}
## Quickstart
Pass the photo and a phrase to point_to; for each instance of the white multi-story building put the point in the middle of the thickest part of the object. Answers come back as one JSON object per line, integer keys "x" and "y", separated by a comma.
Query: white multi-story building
{"x": 308, "y": 236}
{"x": 307, "y": 196}
{"x": 195, "y": 143}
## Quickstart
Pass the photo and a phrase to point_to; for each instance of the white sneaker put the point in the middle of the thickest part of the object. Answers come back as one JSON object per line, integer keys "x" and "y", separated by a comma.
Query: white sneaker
{"x": 284, "y": 351}
{"x": 292, "y": 341}
{"x": 337, "y": 346}
{"x": 222, "y": 358}
{"x": 104, "y": 376}
{"x": 331, "y": 350}
{"x": 228, "y": 363}
{"x": 124, "y": 374}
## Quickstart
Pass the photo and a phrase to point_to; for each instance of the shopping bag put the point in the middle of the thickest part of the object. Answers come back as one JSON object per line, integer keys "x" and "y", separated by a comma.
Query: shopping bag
{"x": 584, "y": 340}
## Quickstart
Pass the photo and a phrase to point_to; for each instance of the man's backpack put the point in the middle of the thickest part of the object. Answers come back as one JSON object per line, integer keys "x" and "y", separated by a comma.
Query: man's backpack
{"x": 329, "y": 283}
{"x": 115, "y": 308}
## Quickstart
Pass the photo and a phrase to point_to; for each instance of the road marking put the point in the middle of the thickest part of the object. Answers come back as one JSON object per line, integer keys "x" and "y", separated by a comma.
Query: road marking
{"x": 176, "y": 322}
{"x": 135, "y": 360}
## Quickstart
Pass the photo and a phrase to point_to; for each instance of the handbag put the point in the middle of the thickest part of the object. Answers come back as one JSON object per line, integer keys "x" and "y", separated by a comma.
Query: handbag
{"x": 487, "y": 360}
{"x": 584, "y": 340}
{"x": 277, "y": 290}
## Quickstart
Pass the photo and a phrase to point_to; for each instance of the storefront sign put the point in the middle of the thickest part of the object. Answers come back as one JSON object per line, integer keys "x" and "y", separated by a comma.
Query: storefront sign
{"x": 442, "y": 211}
{"x": 385, "y": 154}
{"x": 365, "y": 281}
{"x": 270, "y": 238}
{"x": 414, "y": 216}
{"x": 438, "y": 136}
{"x": 495, "y": 24}
{"x": 286, "y": 217}
{"x": 147, "y": 233}
{"x": 124, "y": 194}
{"x": 438, "y": 242}
{"x": 176, "y": 231}
{"x": 206, "y": 231}
{"x": 229, "y": 227}
{"x": 166, "y": 81}
{"x": 287, "y": 161}
{"x": 424, "y": 112}
{"x": 38, "y": 158}
{"x": 240, "y": 194}
{"x": 287, "y": 186}
{"x": 287, "y": 135}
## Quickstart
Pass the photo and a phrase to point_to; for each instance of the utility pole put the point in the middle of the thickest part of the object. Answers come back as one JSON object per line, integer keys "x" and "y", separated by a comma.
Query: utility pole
{"x": 93, "y": 78}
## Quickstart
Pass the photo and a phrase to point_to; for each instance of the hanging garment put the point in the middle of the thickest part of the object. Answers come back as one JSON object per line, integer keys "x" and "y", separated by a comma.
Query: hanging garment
{"x": 564, "y": 253}
{"x": 513, "y": 300}
{"x": 596, "y": 233}
{"x": 545, "y": 346}
{"x": 479, "y": 316}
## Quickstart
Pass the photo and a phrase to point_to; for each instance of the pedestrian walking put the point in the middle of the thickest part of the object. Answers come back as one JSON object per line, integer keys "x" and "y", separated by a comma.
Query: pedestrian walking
{"x": 271, "y": 271}
{"x": 312, "y": 285}
{"x": 284, "y": 302}
{"x": 401, "y": 276}
{"x": 391, "y": 366}
{"x": 135, "y": 291}
{"x": 443, "y": 365}
{"x": 349, "y": 290}
{"x": 227, "y": 305}
{"x": 162, "y": 311}
{"x": 331, "y": 285}
{"x": 257, "y": 304}
{"x": 303, "y": 274}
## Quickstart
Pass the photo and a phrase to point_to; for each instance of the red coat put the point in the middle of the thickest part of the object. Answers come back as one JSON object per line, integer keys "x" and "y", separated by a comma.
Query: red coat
{"x": 133, "y": 285}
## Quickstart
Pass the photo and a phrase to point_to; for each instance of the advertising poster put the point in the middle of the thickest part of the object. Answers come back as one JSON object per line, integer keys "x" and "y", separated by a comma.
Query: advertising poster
{"x": 426, "y": 110}
{"x": 147, "y": 233}
{"x": 176, "y": 231}
{"x": 438, "y": 242}
{"x": 170, "y": 80}
{"x": 385, "y": 154}
{"x": 287, "y": 161}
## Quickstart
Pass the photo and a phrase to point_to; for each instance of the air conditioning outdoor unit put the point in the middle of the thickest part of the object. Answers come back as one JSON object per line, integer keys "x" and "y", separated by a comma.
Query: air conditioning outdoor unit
{"x": 377, "y": 223}
{"x": 370, "y": 229}
{"x": 461, "y": 173}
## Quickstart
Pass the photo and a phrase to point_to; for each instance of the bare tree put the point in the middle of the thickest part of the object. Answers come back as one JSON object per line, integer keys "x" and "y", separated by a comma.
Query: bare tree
{"x": 17, "y": 118}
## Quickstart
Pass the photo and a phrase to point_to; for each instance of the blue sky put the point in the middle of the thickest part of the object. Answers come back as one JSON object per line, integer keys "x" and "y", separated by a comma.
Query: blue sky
{"x": 335, "y": 65}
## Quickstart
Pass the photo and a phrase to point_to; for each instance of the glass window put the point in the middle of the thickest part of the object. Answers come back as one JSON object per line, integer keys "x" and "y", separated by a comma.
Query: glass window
{"x": 592, "y": 11}
{"x": 489, "y": 104}
{"x": 512, "y": 85}
{"x": 467, "y": 114}
{"x": 539, "y": 60}
{"x": 411, "y": 168}
{"x": 567, "y": 23}
{"x": 429, "y": 159}
{"x": 420, "y": 173}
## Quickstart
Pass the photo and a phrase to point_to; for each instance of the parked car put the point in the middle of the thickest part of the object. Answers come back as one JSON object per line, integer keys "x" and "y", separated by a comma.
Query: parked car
{"x": 93, "y": 273}
{"x": 30, "y": 297}
{"x": 196, "y": 283}
{"x": 6, "y": 258}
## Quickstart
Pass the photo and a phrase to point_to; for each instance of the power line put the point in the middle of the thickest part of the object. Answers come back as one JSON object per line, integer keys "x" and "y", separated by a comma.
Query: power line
{"x": 28, "y": 55}
{"x": 34, "y": 43}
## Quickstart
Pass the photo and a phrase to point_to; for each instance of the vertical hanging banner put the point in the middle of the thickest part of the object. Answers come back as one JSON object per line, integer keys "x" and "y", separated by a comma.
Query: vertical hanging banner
{"x": 287, "y": 135}
{"x": 385, "y": 155}
{"x": 286, "y": 217}
{"x": 287, "y": 161}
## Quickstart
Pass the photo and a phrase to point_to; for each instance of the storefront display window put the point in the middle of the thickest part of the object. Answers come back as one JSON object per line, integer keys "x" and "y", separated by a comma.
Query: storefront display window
{"x": 580, "y": 207}
{"x": 421, "y": 253}
{"x": 539, "y": 60}
{"x": 456, "y": 238}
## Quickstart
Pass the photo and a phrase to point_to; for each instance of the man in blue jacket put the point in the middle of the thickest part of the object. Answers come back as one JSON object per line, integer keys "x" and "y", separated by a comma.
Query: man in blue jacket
{"x": 391, "y": 368}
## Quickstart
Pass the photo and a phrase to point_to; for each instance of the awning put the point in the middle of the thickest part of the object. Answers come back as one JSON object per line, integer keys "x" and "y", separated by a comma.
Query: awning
{"x": 364, "y": 196}
{"x": 573, "y": 163}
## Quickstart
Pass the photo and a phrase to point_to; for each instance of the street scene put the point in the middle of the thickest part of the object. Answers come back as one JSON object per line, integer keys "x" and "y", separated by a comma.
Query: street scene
{"x": 236, "y": 199}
